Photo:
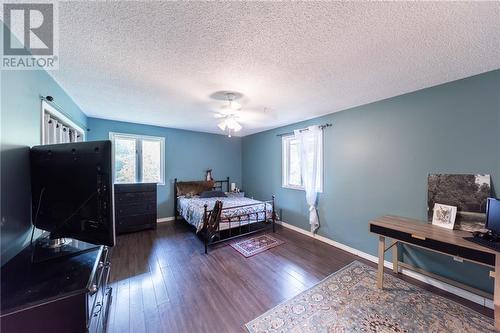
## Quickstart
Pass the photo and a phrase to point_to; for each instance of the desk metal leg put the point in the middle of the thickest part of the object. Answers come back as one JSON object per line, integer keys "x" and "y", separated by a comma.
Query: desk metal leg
{"x": 395, "y": 257}
{"x": 381, "y": 251}
{"x": 496, "y": 295}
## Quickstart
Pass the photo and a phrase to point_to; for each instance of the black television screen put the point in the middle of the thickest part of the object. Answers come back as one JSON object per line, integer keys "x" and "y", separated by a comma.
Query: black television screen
{"x": 72, "y": 192}
{"x": 493, "y": 215}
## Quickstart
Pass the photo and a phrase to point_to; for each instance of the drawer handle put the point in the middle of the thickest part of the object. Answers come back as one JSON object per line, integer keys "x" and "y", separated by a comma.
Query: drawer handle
{"x": 418, "y": 237}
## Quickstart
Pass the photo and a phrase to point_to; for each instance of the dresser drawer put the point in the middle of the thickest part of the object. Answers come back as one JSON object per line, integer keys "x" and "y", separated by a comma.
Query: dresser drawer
{"x": 136, "y": 220}
{"x": 479, "y": 256}
{"x": 98, "y": 296}
{"x": 136, "y": 187}
{"x": 133, "y": 197}
{"x": 140, "y": 208}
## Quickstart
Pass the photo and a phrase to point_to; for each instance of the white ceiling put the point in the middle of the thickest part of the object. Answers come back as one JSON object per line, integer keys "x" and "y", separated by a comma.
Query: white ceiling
{"x": 159, "y": 62}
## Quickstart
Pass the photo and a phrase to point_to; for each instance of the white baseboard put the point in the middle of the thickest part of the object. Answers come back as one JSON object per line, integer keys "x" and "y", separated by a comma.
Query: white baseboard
{"x": 417, "y": 276}
{"x": 165, "y": 219}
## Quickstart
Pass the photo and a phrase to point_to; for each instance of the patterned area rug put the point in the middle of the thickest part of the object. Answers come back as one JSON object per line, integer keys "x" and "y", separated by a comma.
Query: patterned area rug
{"x": 349, "y": 301}
{"x": 251, "y": 246}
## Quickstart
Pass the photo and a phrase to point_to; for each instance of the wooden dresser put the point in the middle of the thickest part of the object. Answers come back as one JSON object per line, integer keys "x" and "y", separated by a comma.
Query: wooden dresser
{"x": 135, "y": 207}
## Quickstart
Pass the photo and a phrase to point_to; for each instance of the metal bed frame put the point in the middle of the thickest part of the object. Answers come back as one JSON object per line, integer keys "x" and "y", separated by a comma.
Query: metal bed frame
{"x": 239, "y": 225}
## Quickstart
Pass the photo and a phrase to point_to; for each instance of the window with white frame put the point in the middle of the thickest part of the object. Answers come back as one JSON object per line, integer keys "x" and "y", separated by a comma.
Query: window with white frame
{"x": 57, "y": 128}
{"x": 291, "y": 164}
{"x": 138, "y": 158}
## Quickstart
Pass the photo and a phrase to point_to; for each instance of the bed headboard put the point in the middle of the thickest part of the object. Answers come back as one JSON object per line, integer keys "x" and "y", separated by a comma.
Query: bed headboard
{"x": 216, "y": 185}
{"x": 219, "y": 185}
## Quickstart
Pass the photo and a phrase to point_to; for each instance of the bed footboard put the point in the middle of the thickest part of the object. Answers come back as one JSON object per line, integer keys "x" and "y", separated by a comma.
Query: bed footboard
{"x": 219, "y": 228}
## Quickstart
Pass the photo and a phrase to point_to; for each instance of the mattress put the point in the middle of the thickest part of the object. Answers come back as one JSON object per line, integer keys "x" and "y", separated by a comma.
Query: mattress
{"x": 192, "y": 210}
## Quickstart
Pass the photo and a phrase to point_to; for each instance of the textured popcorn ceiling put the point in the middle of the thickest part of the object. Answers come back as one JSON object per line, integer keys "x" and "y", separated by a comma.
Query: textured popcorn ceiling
{"x": 159, "y": 62}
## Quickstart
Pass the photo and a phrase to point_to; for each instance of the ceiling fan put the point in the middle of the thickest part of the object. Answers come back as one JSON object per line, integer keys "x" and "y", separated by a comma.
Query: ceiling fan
{"x": 228, "y": 123}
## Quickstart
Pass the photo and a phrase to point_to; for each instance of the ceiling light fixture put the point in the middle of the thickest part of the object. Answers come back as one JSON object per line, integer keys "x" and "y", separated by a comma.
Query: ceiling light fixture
{"x": 229, "y": 122}
{"x": 230, "y": 125}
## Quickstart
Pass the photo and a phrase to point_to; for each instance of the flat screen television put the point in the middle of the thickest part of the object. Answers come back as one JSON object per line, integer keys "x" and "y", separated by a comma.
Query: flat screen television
{"x": 72, "y": 191}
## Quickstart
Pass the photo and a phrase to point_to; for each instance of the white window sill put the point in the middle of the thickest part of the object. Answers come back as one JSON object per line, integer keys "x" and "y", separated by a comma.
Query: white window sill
{"x": 297, "y": 188}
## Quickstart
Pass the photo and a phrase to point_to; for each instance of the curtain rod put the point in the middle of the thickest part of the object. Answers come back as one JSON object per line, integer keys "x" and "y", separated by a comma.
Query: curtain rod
{"x": 50, "y": 100}
{"x": 305, "y": 129}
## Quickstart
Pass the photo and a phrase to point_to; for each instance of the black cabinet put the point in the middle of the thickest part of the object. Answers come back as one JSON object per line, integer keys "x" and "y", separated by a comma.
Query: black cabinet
{"x": 135, "y": 207}
{"x": 68, "y": 294}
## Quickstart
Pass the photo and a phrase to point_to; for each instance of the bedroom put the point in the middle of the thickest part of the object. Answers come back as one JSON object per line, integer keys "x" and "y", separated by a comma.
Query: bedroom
{"x": 387, "y": 97}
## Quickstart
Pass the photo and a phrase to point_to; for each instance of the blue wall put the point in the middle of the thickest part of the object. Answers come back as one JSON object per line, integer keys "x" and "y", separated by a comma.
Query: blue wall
{"x": 376, "y": 161}
{"x": 20, "y": 129}
{"x": 377, "y": 158}
{"x": 187, "y": 155}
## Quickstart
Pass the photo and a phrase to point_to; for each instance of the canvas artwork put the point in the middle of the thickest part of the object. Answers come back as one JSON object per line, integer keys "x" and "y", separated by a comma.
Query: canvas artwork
{"x": 468, "y": 193}
{"x": 444, "y": 216}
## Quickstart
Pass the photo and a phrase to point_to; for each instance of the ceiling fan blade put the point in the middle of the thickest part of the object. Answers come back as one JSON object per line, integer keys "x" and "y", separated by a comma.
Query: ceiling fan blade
{"x": 222, "y": 125}
{"x": 237, "y": 127}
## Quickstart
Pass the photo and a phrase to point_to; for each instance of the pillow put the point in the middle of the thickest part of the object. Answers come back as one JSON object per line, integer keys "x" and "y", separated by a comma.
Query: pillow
{"x": 213, "y": 194}
{"x": 193, "y": 188}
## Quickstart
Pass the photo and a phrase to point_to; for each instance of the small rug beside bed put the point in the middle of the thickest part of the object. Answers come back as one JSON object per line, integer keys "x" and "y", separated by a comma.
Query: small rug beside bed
{"x": 349, "y": 301}
{"x": 252, "y": 246}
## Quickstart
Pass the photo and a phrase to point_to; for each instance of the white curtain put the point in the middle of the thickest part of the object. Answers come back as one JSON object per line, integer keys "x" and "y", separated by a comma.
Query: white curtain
{"x": 56, "y": 131}
{"x": 46, "y": 129}
{"x": 65, "y": 135}
{"x": 50, "y": 130}
{"x": 59, "y": 134}
{"x": 310, "y": 155}
{"x": 62, "y": 133}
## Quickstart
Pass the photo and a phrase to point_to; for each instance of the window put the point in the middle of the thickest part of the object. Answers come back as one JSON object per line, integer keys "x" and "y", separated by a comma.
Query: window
{"x": 138, "y": 158}
{"x": 57, "y": 128}
{"x": 291, "y": 164}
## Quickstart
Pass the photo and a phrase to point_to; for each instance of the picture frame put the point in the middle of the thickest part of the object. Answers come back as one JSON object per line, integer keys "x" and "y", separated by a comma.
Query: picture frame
{"x": 444, "y": 216}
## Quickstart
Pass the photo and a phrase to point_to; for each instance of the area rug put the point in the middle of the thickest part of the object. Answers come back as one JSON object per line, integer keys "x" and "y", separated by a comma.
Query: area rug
{"x": 252, "y": 246}
{"x": 349, "y": 301}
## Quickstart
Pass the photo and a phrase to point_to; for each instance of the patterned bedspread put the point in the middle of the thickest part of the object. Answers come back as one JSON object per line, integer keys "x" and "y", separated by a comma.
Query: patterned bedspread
{"x": 192, "y": 209}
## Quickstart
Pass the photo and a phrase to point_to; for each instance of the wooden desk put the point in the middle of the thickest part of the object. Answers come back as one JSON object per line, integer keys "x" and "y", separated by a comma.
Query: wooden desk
{"x": 425, "y": 235}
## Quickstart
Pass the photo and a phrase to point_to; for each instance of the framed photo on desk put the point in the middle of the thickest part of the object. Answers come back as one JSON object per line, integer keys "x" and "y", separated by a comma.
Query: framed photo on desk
{"x": 444, "y": 216}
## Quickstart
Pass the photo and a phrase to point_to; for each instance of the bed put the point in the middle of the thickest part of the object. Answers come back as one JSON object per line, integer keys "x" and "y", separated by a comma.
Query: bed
{"x": 235, "y": 216}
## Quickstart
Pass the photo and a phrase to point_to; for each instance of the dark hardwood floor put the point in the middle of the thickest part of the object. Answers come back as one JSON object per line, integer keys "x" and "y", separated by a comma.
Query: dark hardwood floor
{"x": 163, "y": 282}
